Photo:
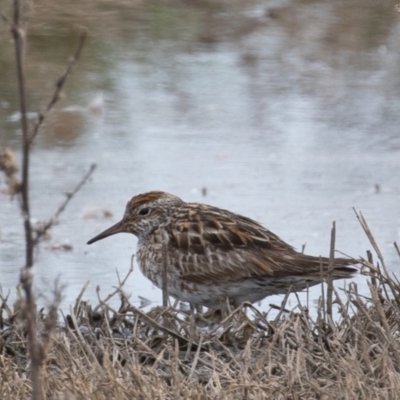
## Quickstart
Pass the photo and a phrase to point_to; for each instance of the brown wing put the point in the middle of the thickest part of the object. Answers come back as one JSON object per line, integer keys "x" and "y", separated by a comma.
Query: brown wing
{"x": 211, "y": 245}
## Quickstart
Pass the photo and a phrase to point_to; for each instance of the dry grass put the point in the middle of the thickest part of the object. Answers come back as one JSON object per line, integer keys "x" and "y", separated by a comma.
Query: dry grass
{"x": 101, "y": 353}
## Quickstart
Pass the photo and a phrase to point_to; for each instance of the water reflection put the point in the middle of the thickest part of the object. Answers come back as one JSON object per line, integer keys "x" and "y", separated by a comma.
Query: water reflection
{"x": 287, "y": 114}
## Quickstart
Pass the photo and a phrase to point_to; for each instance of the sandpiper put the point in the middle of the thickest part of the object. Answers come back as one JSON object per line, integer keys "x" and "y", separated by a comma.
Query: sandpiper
{"x": 211, "y": 254}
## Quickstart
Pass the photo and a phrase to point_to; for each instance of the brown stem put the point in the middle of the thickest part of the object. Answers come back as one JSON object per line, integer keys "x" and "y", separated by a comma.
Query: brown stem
{"x": 35, "y": 348}
{"x": 19, "y": 34}
{"x": 329, "y": 296}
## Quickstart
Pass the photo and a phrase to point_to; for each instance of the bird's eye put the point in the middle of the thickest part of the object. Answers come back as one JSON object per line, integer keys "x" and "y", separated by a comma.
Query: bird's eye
{"x": 144, "y": 211}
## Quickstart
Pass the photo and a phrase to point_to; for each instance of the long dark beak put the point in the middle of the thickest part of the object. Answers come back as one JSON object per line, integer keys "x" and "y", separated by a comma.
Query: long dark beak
{"x": 117, "y": 228}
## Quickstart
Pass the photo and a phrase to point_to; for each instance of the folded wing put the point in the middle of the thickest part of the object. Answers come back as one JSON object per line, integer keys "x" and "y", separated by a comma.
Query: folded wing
{"x": 211, "y": 245}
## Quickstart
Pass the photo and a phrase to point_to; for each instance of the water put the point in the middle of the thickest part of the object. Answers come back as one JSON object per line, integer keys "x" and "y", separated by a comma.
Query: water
{"x": 288, "y": 114}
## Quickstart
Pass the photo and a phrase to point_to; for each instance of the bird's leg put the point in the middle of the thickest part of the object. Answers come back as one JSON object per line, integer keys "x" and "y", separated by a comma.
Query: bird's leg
{"x": 226, "y": 309}
{"x": 196, "y": 308}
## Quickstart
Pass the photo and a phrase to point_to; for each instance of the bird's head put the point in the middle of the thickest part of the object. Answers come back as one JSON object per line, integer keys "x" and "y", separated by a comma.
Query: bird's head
{"x": 143, "y": 214}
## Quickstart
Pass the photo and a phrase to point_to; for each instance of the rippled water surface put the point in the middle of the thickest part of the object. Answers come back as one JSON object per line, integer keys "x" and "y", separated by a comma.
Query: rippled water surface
{"x": 286, "y": 112}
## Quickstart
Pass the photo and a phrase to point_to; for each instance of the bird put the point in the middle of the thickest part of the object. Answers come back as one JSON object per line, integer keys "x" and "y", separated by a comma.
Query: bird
{"x": 209, "y": 255}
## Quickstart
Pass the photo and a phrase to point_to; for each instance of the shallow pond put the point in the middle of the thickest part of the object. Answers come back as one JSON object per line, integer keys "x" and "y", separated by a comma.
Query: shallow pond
{"x": 284, "y": 112}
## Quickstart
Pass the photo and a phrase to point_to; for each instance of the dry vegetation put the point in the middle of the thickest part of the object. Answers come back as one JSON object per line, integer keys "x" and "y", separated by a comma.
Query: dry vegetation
{"x": 102, "y": 353}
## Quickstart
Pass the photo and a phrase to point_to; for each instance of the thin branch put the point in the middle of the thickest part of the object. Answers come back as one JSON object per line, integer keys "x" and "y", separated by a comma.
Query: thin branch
{"x": 396, "y": 246}
{"x": 59, "y": 85}
{"x": 40, "y": 232}
{"x": 118, "y": 289}
{"x": 35, "y": 349}
{"x": 329, "y": 293}
{"x": 19, "y": 35}
{"x": 50, "y": 322}
{"x": 156, "y": 325}
{"x": 370, "y": 236}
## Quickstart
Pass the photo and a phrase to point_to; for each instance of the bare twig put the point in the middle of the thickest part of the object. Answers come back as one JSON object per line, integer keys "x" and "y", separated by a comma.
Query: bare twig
{"x": 329, "y": 293}
{"x": 79, "y": 298}
{"x": 59, "y": 85}
{"x": 322, "y": 306}
{"x": 35, "y": 348}
{"x": 118, "y": 289}
{"x": 372, "y": 240}
{"x": 370, "y": 236}
{"x": 156, "y": 325}
{"x": 396, "y": 246}
{"x": 42, "y": 230}
{"x": 19, "y": 34}
{"x": 87, "y": 349}
{"x": 51, "y": 318}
